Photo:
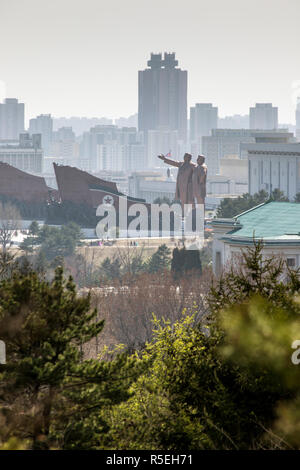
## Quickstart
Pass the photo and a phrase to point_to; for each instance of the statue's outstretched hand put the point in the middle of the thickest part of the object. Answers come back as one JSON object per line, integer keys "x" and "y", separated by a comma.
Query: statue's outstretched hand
{"x": 161, "y": 156}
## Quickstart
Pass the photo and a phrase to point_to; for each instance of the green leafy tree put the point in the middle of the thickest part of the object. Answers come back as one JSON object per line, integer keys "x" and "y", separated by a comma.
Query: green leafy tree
{"x": 34, "y": 228}
{"x": 278, "y": 195}
{"x": 230, "y": 207}
{"x": 49, "y": 394}
{"x": 297, "y": 197}
{"x": 226, "y": 384}
{"x": 54, "y": 241}
{"x": 255, "y": 274}
{"x": 110, "y": 269}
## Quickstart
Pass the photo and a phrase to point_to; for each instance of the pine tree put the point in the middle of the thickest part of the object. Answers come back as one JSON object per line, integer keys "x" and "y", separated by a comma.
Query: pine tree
{"x": 160, "y": 260}
{"x": 278, "y": 195}
{"x": 34, "y": 228}
{"x": 46, "y": 387}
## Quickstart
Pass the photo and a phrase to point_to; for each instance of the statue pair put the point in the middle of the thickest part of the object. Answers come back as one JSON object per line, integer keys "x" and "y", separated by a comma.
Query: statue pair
{"x": 191, "y": 179}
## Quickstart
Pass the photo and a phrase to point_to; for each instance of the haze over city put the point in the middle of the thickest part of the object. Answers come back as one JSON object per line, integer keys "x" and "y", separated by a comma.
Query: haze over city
{"x": 74, "y": 58}
{"x": 149, "y": 229}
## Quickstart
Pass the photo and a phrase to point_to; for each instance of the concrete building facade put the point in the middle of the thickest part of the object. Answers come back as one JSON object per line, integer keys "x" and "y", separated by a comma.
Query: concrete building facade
{"x": 162, "y": 96}
{"x": 162, "y": 141}
{"x": 227, "y": 143}
{"x": 25, "y": 154}
{"x": 263, "y": 116}
{"x": 117, "y": 157}
{"x": 11, "y": 119}
{"x": 274, "y": 165}
{"x": 43, "y": 124}
{"x": 203, "y": 118}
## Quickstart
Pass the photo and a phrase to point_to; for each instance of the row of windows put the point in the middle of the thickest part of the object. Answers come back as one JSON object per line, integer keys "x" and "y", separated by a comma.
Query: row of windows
{"x": 28, "y": 162}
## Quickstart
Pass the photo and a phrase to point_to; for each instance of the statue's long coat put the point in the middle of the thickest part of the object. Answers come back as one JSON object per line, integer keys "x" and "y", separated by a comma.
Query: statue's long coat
{"x": 184, "y": 184}
{"x": 199, "y": 183}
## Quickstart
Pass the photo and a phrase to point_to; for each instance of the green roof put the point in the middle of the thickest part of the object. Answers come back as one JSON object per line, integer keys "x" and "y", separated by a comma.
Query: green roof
{"x": 269, "y": 220}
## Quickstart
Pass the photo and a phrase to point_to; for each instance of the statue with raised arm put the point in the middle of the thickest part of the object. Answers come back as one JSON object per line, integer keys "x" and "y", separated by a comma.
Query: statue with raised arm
{"x": 184, "y": 184}
{"x": 199, "y": 180}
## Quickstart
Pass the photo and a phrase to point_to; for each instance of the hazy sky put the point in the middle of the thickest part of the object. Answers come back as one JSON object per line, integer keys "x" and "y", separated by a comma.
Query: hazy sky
{"x": 81, "y": 57}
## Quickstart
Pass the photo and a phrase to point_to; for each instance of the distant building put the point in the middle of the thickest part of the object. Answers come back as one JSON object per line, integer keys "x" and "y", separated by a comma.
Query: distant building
{"x": 263, "y": 116}
{"x": 11, "y": 119}
{"x": 274, "y": 163}
{"x": 121, "y": 157}
{"x": 163, "y": 96}
{"x": 161, "y": 141}
{"x": 221, "y": 144}
{"x": 43, "y": 124}
{"x": 64, "y": 146}
{"x": 113, "y": 138}
{"x": 227, "y": 143}
{"x": 80, "y": 124}
{"x": 203, "y": 118}
{"x": 237, "y": 121}
{"x": 151, "y": 185}
{"x": 277, "y": 224}
{"x": 131, "y": 121}
{"x": 234, "y": 167}
{"x": 64, "y": 133}
{"x": 25, "y": 154}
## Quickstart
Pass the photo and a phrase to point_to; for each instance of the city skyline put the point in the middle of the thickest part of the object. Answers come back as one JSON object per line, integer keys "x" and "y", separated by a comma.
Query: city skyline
{"x": 75, "y": 59}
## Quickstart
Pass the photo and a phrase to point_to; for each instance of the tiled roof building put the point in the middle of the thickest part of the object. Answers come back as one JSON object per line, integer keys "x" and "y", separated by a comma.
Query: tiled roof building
{"x": 277, "y": 224}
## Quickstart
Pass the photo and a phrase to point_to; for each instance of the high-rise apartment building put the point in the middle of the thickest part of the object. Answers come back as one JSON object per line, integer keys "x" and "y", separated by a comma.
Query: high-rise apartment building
{"x": 43, "y": 124}
{"x": 163, "y": 96}
{"x": 117, "y": 157}
{"x": 112, "y": 140}
{"x": 11, "y": 119}
{"x": 263, "y": 116}
{"x": 203, "y": 118}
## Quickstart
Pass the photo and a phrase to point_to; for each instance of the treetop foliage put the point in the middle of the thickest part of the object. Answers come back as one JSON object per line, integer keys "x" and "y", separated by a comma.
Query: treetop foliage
{"x": 230, "y": 207}
{"x": 223, "y": 380}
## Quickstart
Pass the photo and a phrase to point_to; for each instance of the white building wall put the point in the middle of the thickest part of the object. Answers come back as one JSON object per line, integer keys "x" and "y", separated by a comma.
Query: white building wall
{"x": 229, "y": 252}
{"x": 270, "y": 171}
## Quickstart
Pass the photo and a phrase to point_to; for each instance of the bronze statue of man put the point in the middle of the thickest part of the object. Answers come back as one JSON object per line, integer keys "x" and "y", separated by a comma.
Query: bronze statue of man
{"x": 199, "y": 180}
{"x": 184, "y": 184}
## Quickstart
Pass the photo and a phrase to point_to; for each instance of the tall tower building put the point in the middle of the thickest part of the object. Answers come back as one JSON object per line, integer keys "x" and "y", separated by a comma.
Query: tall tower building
{"x": 163, "y": 96}
{"x": 43, "y": 124}
{"x": 263, "y": 116}
{"x": 11, "y": 119}
{"x": 203, "y": 118}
